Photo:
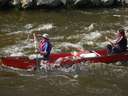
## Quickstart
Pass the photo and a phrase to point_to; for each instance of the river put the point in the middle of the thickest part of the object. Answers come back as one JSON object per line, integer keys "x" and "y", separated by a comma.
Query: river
{"x": 86, "y": 28}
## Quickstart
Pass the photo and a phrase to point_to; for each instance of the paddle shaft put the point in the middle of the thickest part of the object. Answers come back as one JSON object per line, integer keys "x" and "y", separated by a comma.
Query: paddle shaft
{"x": 36, "y": 50}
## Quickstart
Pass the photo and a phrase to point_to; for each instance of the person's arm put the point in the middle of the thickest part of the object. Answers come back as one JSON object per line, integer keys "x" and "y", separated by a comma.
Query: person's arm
{"x": 118, "y": 40}
{"x": 113, "y": 42}
{"x": 109, "y": 40}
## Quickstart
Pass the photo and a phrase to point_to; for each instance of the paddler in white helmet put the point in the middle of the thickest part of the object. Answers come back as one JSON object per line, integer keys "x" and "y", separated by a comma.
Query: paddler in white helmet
{"x": 45, "y": 47}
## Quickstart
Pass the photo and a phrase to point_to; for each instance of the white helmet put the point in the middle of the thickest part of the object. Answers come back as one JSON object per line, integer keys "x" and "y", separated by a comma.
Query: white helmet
{"x": 45, "y": 35}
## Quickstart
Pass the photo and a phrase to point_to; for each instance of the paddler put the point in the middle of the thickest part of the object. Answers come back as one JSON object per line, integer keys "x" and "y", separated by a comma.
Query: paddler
{"x": 45, "y": 47}
{"x": 119, "y": 44}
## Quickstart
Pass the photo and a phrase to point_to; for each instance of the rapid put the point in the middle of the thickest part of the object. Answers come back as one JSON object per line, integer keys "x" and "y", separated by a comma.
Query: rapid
{"x": 84, "y": 28}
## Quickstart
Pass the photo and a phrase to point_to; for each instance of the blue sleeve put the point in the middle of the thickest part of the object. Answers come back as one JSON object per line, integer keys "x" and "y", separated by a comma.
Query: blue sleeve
{"x": 46, "y": 47}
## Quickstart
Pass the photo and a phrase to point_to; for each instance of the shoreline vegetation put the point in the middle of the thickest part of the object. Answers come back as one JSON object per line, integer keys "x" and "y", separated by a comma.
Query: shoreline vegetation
{"x": 50, "y": 4}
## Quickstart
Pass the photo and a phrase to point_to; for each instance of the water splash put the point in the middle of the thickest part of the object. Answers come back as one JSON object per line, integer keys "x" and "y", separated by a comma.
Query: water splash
{"x": 42, "y": 27}
{"x": 17, "y": 49}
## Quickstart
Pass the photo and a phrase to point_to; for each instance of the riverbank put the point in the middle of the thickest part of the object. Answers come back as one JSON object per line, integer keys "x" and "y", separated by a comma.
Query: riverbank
{"x": 33, "y": 4}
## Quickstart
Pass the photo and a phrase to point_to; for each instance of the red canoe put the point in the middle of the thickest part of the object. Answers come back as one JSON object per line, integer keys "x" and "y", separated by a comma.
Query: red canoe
{"x": 65, "y": 58}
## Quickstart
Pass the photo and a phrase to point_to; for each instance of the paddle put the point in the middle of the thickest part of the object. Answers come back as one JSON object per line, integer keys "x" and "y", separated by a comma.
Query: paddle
{"x": 38, "y": 62}
{"x": 36, "y": 49}
{"x": 35, "y": 42}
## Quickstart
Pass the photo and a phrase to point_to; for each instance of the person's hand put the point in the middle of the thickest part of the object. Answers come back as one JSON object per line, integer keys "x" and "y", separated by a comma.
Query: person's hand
{"x": 106, "y": 38}
{"x": 36, "y": 51}
{"x": 43, "y": 53}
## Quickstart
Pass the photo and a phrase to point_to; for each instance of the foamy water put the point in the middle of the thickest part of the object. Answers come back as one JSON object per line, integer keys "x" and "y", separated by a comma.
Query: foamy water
{"x": 18, "y": 49}
{"x": 42, "y": 27}
{"x": 29, "y": 28}
{"x": 67, "y": 28}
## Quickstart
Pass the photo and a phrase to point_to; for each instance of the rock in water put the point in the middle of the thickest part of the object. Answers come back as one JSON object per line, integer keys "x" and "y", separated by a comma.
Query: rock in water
{"x": 23, "y": 3}
{"x": 26, "y": 3}
{"x": 107, "y": 2}
{"x": 4, "y": 3}
{"x": 81, "y": 2}
{"x": 50, "y": 3}
{"x": 64, "y": 1}
{"x": 96, "y": 2}
{"x": 61, "y": 3}
{"x": 15, "y": 2}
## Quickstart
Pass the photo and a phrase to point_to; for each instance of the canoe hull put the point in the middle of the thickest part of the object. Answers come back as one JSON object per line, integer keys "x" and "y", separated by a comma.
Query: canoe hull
{"x": 19, "y": 62}
{"x": 22, "y": 62}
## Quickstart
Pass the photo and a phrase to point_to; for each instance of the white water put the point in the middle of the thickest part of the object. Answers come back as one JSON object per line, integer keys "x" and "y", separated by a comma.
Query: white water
{"x": 18, "y": 49}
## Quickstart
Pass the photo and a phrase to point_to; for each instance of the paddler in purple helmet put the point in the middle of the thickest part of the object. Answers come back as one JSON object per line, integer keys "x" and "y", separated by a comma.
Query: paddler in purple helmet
{"x": 45, "y": 47}
{"x": 119, "y": 44}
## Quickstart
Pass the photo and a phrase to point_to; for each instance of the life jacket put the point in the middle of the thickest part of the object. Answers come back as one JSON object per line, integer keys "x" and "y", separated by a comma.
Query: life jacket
{"x": 45, "y": 46}
{"x": 122, "y": 43}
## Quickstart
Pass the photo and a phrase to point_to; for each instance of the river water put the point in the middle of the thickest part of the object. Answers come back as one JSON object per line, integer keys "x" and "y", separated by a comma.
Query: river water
{"x": 84, "y": 28}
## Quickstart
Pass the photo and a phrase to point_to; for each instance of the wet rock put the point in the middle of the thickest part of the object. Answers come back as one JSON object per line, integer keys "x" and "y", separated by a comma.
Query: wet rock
{"x": 15, "y": 2}
{"x": 96, "y": 2}
{"x": 61, "y": 3}
{"x": 107, "y": 2}
{"x": 126, "y": 1}
{"x": 81, "y": 2}
{"x": 4, "y": 3}
{"x": 23, "y": 3}
{"x": 64, "y": 1}
{"x": 26, "y": 3}
{"x": 50, "y": 3}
